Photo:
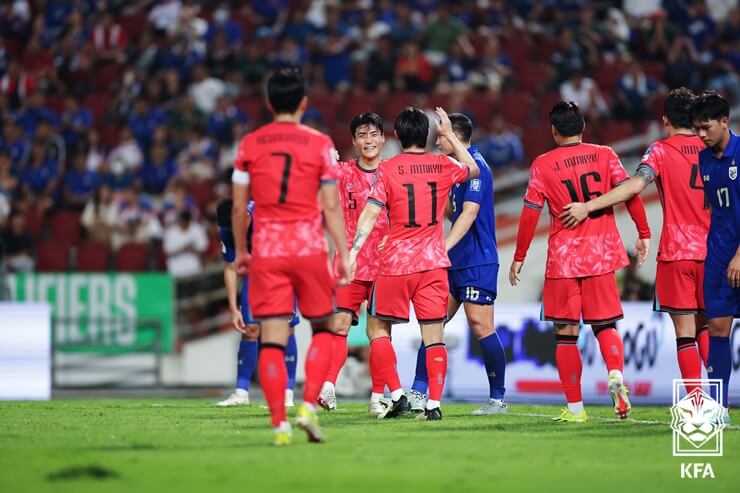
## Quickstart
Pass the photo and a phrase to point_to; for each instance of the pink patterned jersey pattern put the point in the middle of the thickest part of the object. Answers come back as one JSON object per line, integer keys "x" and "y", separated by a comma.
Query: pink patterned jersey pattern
{"x": 675, "y": 162}
{"x": 413, "y": 187}
{"x": 287, "y": 163}
{"x": 354, "y": 184}
{"x": 576, "y": 173}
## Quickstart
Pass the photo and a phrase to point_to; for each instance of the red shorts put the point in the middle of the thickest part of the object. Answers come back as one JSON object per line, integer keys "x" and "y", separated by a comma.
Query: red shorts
{"x": 351, "y": 297}
{"x": 679, "y": 287}
{"x": 593, "y": 299}
{"x": 428, "y": 291}
{"x": 275, "y": 284}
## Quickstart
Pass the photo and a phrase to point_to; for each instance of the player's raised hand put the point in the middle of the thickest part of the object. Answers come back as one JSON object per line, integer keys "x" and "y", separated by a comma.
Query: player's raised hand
{"x": 242, "y": 263}
{"x": 514, "y": 271}
{"x": 733, "y": 271}
{"x": 237, "y": 321}
{"x": 642, "y": 247}
{"x": 573, "y": 214}
{"x": 444, "y": 126}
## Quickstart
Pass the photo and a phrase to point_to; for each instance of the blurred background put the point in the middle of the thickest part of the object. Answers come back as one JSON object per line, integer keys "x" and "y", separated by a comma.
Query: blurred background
{"x": 120, "y": 121}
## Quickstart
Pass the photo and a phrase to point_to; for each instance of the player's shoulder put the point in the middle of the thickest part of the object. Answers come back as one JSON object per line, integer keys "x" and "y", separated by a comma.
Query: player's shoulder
{"x": 313, "y": 134}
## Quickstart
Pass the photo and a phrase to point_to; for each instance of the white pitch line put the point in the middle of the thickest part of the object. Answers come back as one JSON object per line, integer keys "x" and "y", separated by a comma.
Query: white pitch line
{"x": 614, "y": 420}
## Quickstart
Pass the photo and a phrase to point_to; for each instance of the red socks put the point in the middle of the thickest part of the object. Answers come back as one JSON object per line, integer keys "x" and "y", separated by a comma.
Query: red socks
{"x": 273, "y": 377}
{"x": 689, "y": 360}
{"x": 570, "y": 367}
{"x": 318, "y": 360}
{"x": 702, "y": 341}
{"x": 612, "y": 349}
{"x": 339, "y": 356}
{"x": 436, "y": 356}
{"x": 383, "y": 363}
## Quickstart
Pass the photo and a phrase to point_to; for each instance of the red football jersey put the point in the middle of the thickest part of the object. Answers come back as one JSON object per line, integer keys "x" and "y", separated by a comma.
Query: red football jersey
{"x": 675, "y": 162}
{"x": 354, "y": 184}
{"x": 414, "y": 189}
{"x": 576, "y": 173}
{"x": 286, "y": 165}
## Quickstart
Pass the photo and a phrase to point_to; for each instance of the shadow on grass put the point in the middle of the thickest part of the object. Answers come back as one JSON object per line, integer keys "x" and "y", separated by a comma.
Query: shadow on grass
{"x": 92, "y": 471}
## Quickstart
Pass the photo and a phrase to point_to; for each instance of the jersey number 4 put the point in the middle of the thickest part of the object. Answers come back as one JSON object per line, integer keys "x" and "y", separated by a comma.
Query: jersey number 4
{"x": 412, "y": 204}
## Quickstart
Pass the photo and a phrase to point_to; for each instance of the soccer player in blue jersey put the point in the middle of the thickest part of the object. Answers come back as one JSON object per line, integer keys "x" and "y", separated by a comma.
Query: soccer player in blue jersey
{"x": 718, "y": 165}
{"x": 471, "y": 246}
{"x": 250, "y": 330}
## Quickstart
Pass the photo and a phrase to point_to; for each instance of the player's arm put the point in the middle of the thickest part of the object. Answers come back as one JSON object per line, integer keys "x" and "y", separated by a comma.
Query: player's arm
{"x": 461, "y": 227}
{"x": 444, "y": 128}
{"x": 576, "y": 212}
{"x": 524, "y": 236}
{"x": 230, "y": 281}
{"x": 733, "y": 270}
{"x": 365, "y": 225}
{"x": 329, "y": 198}
{"x": 240, "y": 219}
{"x": 448, "y": 208}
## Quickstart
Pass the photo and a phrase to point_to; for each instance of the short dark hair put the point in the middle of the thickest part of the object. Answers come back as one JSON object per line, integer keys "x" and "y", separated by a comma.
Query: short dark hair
{"x": 677, "y": 107}
{"x": 709, "y": 106}
{"x": 285, "y": 90}
{"x": 567, "y": 118}
{"x": 462, "y": 126}
{"x": 372, "y": 119}
{"x": 223, "y": 213}
{"x": 412, "y": 127}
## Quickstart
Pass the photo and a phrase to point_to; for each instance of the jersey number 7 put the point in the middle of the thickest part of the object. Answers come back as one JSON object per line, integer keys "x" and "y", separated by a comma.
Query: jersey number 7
{"x": 287, "y": 161}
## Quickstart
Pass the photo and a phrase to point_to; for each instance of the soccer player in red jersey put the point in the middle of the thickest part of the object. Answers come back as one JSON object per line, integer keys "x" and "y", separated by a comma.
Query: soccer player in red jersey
{"x": 673, "y": 164}
{"x": 289, "y": 170}
{"x": 413, "y": 187}
{"x": 579, "y": 277}
{"x": 355, "y": 179}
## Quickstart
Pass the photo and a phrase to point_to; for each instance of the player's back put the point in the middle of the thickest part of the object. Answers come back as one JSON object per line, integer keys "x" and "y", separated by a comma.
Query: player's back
{"x": 414, "y": 187}
{"x": 287, "y": 163}
{"x": 577, "y": 173}
{"x": 675, "y": 162}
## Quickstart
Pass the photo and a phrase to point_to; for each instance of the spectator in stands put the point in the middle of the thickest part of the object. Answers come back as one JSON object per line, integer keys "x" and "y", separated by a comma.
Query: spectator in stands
{"x": 455, "y": 76}
{"x": 228, "y": 153}
{"x": 291, "y": 55}
{"x": 253, "y": 65}
{"x": 39, "y": 178}
{"x": 33, "y": 112}
{"x": 658, "y": 36}
{"x": 220, "y": 58}
{"x": 77, "y": 121}
{"x": 143, "y": 120}
{"x": 165, "y": 15}
{"x": 335, "y": 61}
{"x": 585, "y": 92}
{"x": 570, "y": 54}
{"x": 99, "y": 216}
{"x": 442, "y": 33}
{"x": 700, "y": 26}
{"x": 725, "y": 67}
{"x": 17, "y": 85}
{"x": 494, "y": 70}
{"x": 635, "y": 93}
{"x": 157, "y": 172}
{"x": 17, "y": 244}
{"x": 8, "y": 183}
{"x": 223, "y": 119}
{"x": 414, "y": 73}
{"x": 381, "y": 67}
{"x": 93, "y": 150}
{"x": 197, "y": 161}
{"x": 184, "y": 243}
{"x": 56, "y": 150}
{"x": 175, "y": 202}
{"x": 205, "y": 90}
{"x": 16, "y": 144}
{"x": 681, "y": 65}
{"x": 79, "y": 183}
{"x": 128, "y": 152}
{"x": 109, "y": 39}
{"x": 15, "y": 19}
{"x": 298, "y": 27}
{"x": 185, "y": 115}
{"x": 135, "y": 220}
{"x": 405, "y": 26}
{"x": 501, "y": 148}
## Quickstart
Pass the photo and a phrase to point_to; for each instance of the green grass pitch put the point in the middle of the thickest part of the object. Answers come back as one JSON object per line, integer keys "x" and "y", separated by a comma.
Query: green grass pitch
{"x": 187, "y": 445}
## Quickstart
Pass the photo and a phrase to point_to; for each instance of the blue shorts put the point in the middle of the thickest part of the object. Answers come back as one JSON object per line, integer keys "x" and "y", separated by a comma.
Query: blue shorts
{"x": 246, "y": 312}
{"x": 475, "y": 284}
{"x": 720, "y": 299}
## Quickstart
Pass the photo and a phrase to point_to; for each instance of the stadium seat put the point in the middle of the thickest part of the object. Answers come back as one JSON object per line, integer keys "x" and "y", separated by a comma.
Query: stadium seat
{"x": 97, "y": 103}
{"x": 254, "y": 107}
{"x": 52, "y": 257}
{"x": 203, "y": 193}
{"x": 327, "y": 104}
{"x": 536, "y": 139}
{"x": 517, "y": 107}
{"x": 481, "y": 106}
{"x": 65, "y": 225}
{"x": 519, "y": 50}
{"x": 533, "y": 76}
{"x": 93, "y": 257}
{"x": 107, "y": 77}
{"x": 394, "y": 103}
{"x": 545, "y": 104}
{"x": 134, "y": 23}
{"x": 356, "y": 104}
{"x": 34, "y": 223}
{"x": 607, "y": 76}
{"x": 133, "y": 257}
{"x": 109, "y": 134}
{"x": 614, "y": 131}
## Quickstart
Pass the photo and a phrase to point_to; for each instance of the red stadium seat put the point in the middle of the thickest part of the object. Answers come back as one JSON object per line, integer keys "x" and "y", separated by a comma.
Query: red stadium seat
{"x": 97, "y": 102}
{"x": 133, "y": 257}
{"x": 65, "y": 226}
{"x": 545, "y": 104}
{"x": 93, "y": 257}
{"x": 536, "y": 140}
{"x": 608, "y": 75}
{"x": 254, "y": 107}
{"x": 517, "y": 107}
{"x": 356, "y": 104}
{"x": 533, "y": 76}
{"x": 203, "y": 193}
{"x": 107, "y": 77}
{"x": 481, "y": 106}
{"x": 134, "y": 24}
{"x": 52, "y": 257}
{"x": 614, "y": 131}
{"x": 34, "y": 223}
{"x": 326, "y": 104}
{"x": 519, "y": 49}
{"x": 394, "y": 103}
{"x": 109, "y": 134}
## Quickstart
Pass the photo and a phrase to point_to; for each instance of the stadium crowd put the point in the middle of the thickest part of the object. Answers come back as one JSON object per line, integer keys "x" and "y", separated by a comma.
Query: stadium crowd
{"x": 124, "y": 116}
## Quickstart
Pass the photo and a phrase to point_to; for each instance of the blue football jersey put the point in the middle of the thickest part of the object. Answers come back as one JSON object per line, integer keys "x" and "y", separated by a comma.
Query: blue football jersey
{"x": 722, "y": 188}
{"x": 478, "y": 246}
{"x": 228, "y": 246}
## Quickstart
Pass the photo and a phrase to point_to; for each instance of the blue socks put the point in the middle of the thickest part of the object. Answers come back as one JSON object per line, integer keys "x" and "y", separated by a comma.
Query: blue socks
{"x": 720, "y": 363}
{"x": 246, "y": 363}
{"x": 421, "y": 380}
{"x": 494, "y": 358}
{"x": 291, "y": 360}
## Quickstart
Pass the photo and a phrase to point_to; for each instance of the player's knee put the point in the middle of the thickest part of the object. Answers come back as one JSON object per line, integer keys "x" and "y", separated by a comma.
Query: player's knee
{"x": 598, "y": 329}
{"x": 341, "y": 323}
{"x": 481, "y": 327}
